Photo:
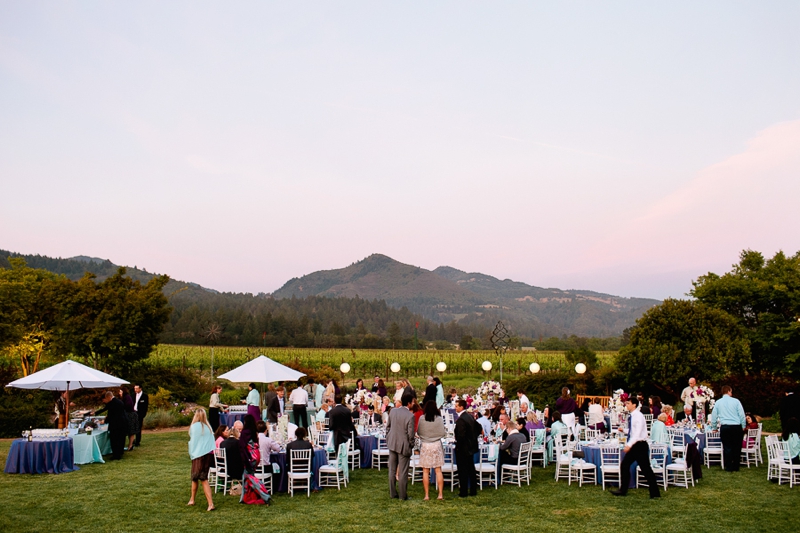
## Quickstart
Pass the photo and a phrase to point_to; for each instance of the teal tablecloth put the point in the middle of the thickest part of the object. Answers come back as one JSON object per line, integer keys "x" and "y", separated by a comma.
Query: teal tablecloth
{"x": 91, "y": 448}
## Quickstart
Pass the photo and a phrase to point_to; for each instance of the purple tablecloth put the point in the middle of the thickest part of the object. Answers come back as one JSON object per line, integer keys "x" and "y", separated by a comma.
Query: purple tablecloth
{"x": 279, "y": 481}
{"x": 40, "y": 457}
{"x": 368, "y": 443}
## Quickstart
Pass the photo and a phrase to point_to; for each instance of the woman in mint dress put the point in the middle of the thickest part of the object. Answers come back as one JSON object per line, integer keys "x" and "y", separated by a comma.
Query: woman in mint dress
{"x": 201, "y": 450}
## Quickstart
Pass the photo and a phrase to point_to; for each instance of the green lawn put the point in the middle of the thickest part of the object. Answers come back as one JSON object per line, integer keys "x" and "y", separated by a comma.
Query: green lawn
{"x": 148, "y": 490}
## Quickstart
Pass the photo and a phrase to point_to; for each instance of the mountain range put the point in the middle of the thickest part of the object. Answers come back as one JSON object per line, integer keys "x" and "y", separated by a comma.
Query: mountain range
{"x": 446, "y": 294}
{"x": 442, "y": 295}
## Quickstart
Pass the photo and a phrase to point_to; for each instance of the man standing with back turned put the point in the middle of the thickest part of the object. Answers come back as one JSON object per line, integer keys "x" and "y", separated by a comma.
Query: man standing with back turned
{"x": 466, "y": 432}
{"x": 637, "y": 450}
{"x": 400, "y": 441}
{"x": 728, "y": 411}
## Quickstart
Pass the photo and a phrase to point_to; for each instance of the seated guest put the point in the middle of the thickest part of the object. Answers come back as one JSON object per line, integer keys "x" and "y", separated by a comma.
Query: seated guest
{"x": 685, "y": 415}
{"x": 221, "y": 434}
{"x": 509, "y": 449}
{"x": 299, "y": 443}
{"x": 266, "y": 445}
{"x": 658, "y": 431}
{"x": 557, "y": 427}
{"x": 596, "y": 419}
{"x": 485, "y": 422}
{"x": 233, "y": 457}
{"x": 522, "y": 429}
{"x": 375, "y": 418}
{"x": 322, "y": 414}
{"x": 385, "y": 404}
{"x": 523, "y": 410}
{"x": 644, "y": 407}
{"x": 655, "y": 406}
{"x": 583, "y": 412}
{"x": 533, "y": 421}
{"x": 498, "y": 410}
{"x": 750, "y": 421}
{"x": 666, "y": 409}
{"x": 500, "y": 431}
{"x": 791, "y": 435}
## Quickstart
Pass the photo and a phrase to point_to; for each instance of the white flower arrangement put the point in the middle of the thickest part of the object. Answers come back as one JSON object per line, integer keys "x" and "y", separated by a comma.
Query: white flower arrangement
{"x": 703, "y": 394}
{"x": 490, "y": 388}
{"x": 618, "y": 399}
{"x": 362, "y": 396}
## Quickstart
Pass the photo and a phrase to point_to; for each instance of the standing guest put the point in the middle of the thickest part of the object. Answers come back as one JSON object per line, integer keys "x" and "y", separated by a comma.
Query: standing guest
{"x": 221, "y": 434}
{"x": 299, "y": 399}
{"x": 430, "y": 391}
{"x": 275, "y": 407}
{"x": 408, "y": 389}
{"x": 686, "y": 397}
{"x": 398, "y": 393}
{"x": 329, "y": 393}
{"x": 233, "y": 455}
{"x": 486, "y": 422}
{"x": 140, "y": 404}
{"x": 431, "y": 455}
{"x": 655, "y": 406}
{"x": 341, "y": 423}
{"x": 381, "y": 388}
{"x": 416, "y": 410}
{"x": 790, "y": 406}
{"x": 567, "y": 407}
{"x": 299, "y": 443}
{"x": 322, "y": 413}
{"x": 336, "y": 389}
{"x": 400, "y": 442}
{"x": 311, "y": 390}
{"x": 62, "y": 412}
{"x": 523, "y": 399}
{"x": 791, "y": 435}
{"x": 360, "y": 384}
{"x": 583, "y": 412}
{"x": 214, "y": 407}
{"x": 254, "y": 402}
{"x": 376, "y": 383}
{"x": 466, "y": 432}
{"x": 130, "y": 416}
{"x": 644, "y": 406}
{"x": 269, "y": 395}
{"x": 319, "y": 394}
{"x": 439, "y": 392}
{"x": 596, "y": 420}
{"x": 201, "y": 450}
{"x": 637, "y": 450}
{"x": 729, "y": 413}
{"x": 117, "y": 424}
{"x": 266, "y": 445}
{"x": 509, "y": 449}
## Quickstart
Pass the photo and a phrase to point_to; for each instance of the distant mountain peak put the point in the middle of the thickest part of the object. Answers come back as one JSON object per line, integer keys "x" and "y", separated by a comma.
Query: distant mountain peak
{"x": 87, "y": 259}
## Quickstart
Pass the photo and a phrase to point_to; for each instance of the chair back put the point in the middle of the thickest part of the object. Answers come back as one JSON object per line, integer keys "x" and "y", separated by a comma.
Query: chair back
{"x": 713, "y": 439}
{"x": 658, "y": 454}
{"x": 221, "y": 460}
{"x": 301, "y": 461}
{"x": 524, "y": 454}
{"x": 449, "y": 454}
{"x": 538, "y": 436}
{"x": 751, "y": 440}
{"x": 610, "y": 454}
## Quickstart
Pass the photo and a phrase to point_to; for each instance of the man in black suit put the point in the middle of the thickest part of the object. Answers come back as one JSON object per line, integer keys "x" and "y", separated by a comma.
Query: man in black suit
{"x": 685, "y": 415}
{"x": 117, "y": 424}
{"x": 140, "y": 405}
{"x": 299, "y": 443}
{"x": 430, "y": 392}
{"x": 375, "y": 384}
{"x": 275, "y": 407}
{"x": 466, "y": 433}
{"x": 789, "y": 408}
{"x": 341, "y": 424}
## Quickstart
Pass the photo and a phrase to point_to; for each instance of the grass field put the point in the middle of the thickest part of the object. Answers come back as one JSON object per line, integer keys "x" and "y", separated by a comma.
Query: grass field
{"x": 148, "y": 490}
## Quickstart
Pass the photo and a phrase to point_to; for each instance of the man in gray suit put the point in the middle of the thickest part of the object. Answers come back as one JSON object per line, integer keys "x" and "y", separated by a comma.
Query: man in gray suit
{"x": 400, "y": 441}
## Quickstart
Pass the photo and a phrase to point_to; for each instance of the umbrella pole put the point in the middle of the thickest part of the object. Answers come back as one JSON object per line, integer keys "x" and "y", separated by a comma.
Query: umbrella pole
{"x": 66, "y": 424}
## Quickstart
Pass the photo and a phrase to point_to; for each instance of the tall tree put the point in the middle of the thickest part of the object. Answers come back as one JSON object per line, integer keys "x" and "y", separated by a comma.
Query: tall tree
{"x": 764, "y": 296}
{"x": 680, "y": 339}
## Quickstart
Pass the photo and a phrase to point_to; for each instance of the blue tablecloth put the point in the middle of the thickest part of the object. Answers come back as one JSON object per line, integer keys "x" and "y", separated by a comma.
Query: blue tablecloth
{"x": 40, "y": 456}
{"x": 699, "y": 438}
{"x": 368, "y": 443}
{"x": 280, "y": 481}
{"x": 228, "y": 419}
{"x": 592, "y": 455}
{"x": 91, "y": 448}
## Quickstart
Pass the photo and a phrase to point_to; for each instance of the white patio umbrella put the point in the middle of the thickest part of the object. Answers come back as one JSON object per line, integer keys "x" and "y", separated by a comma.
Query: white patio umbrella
{"x": 65, "y": 376}
{"x": 262, "y": 369}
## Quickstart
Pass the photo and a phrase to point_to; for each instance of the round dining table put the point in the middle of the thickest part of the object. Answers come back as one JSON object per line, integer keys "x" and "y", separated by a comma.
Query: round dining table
{"x": 41, "y": 456}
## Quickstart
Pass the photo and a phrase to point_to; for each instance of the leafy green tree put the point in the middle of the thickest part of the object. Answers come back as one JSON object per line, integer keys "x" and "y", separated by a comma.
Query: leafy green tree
{"x": 764, "y": 296}
{"x": 680, "y": 339}
{"x": 581, "y": 355}
{"x": 115, "y": 323}
{"x": 395, "y": 336}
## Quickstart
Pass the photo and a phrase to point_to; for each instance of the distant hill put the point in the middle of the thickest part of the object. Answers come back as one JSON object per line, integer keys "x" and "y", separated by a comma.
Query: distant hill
{"x": 446, "y": 294}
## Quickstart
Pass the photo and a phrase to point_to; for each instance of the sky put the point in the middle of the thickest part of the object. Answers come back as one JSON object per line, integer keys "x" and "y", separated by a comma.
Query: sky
{"x": 621, "y": 147}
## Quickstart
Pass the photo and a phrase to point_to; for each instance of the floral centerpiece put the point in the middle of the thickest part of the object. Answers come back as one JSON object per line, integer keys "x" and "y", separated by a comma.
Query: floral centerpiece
{"x": 490, "y": 390}
{"x": 618, "y": 400}
{"x": 363, "y": 398}
{"x": 283, "y": 428}
{"x": 701, "y": 396}
{"x": 474, "y": 403}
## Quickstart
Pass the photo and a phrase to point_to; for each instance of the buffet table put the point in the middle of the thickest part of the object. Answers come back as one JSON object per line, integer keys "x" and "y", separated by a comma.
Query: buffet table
{"x": 91, "y": 448}
{"x": 41, "y": 456}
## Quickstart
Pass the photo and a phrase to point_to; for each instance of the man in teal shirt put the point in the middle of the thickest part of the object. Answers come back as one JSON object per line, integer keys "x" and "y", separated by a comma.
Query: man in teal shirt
{"x": 728, "y": 411}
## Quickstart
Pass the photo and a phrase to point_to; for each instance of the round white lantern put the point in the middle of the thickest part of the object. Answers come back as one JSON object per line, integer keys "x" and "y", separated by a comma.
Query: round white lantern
{"x": 345, "y": 368}
{"x": 395, "y": 367}
{"x": 486, "y": 366}
{"x": 441, "y": 366}
{"x": 535, "y": 368}
{"x": 580, "y": 368}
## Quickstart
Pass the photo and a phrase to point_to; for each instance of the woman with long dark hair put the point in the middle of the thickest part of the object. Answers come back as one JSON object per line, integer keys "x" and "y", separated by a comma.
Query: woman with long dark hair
{"x": 439, "y": 392}
{"x": 130, "y": 416}
{"x": 359, "y": 384}
{"x": 381, "y": 388}
{"x": 431, "y": 455}
{"x": 248, "y": 435}
{"x": 655, "y": 406}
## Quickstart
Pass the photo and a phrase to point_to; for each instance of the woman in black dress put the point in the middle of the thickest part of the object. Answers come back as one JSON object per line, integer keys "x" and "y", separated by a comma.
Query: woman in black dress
{"x": 130, "y": 415}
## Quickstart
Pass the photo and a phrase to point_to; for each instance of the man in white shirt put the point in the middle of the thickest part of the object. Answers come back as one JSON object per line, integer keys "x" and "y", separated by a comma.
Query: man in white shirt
{"x": 686, "y": 395}
{"x": 299, "y": 399}
{"x": 637, "y": 450}
{"x": 523, "y": 399}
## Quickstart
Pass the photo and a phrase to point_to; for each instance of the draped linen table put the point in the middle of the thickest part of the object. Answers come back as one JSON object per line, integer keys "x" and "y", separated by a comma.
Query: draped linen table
{"x": 41, "y": 456}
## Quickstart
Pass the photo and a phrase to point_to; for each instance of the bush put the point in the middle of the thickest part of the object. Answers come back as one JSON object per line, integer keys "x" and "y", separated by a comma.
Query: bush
{"x": 185, "y": 385}
{"x": 166, "y": 418}
{"x": 161, "y": 399}
{"x": 21, "y": 409}
{"x": 760, "y": 394}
